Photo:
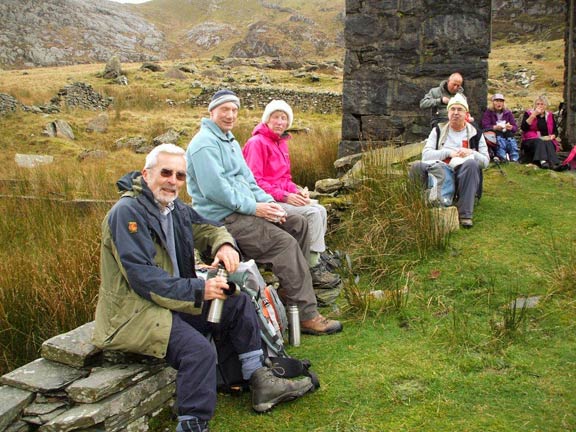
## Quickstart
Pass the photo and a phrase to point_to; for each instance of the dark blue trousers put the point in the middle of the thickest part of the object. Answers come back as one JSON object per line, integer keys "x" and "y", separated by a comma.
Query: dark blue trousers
{"x": 194, "y": 357}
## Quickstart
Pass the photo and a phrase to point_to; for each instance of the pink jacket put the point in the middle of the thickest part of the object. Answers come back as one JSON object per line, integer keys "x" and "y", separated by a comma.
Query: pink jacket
{"x": 533, "y": 133}
{"x": 266, "y": 154}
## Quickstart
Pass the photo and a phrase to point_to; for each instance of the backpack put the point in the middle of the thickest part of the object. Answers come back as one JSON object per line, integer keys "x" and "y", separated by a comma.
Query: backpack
{"x": 269, "y": 308}
{"x": 570, "y": 160}
{"x": 273, "y": 323}
{"x": 441, "y": 184}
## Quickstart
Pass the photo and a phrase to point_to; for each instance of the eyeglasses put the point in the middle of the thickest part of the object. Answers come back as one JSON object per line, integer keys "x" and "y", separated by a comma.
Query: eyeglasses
{"x": 180, "y": 175}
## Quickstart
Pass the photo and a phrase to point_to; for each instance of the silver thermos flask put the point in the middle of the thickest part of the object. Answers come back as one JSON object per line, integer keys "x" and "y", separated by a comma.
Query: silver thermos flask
{"x": 215, "y": 311}
{"x": 294, "y": 325}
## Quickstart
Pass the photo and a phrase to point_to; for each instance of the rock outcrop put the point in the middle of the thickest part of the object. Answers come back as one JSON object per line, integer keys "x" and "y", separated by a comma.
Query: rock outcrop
{"x": 64, "y": 32}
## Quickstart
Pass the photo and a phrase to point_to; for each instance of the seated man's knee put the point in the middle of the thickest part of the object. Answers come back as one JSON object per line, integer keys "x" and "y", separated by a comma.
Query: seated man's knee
{"x": 417, "y": 172}
{"x": 296, "y": 223}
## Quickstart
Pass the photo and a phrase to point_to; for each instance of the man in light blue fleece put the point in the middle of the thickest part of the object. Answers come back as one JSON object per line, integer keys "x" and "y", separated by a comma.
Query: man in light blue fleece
{"x": 223, "y": 188}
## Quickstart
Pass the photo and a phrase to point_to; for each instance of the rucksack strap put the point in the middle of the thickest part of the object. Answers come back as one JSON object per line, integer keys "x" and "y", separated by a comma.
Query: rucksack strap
{"x": 288, "y": 367}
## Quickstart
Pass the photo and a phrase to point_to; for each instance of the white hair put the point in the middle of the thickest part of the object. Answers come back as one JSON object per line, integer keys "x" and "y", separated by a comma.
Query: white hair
{"x": 152, "y": 157}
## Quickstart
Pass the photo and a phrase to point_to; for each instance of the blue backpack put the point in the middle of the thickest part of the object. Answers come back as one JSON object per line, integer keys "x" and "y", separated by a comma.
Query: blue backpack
{"x": 441, "y": 184}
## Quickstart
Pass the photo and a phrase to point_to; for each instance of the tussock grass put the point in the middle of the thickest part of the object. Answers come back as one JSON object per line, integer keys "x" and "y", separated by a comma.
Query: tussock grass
{"x": 390, "y": 227}
{"x": 49, "y": 277}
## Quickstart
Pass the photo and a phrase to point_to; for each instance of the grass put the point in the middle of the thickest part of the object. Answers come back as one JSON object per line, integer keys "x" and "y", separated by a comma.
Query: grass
{"x": 454, "y": 356}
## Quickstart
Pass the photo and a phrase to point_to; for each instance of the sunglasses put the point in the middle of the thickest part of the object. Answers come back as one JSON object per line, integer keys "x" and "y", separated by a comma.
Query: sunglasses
{"x": 180, "y": 175}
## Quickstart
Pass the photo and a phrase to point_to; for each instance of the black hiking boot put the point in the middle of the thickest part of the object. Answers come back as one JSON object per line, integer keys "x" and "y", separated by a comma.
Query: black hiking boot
{"x": 269, "y": 390}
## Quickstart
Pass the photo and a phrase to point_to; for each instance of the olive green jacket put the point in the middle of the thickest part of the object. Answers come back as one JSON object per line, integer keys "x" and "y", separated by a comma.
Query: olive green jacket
{"x": 138, "y": 290}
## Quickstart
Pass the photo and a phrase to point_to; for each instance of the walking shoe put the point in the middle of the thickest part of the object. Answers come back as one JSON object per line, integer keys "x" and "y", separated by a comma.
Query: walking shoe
{"x": 331, "y": 260}
{"x": 320, "y": 326}
{"x": 268, "y": 390}
{"x": 193, "y": 425}
{"x": 322, "y": 278}
{"x": 466, "y": 223}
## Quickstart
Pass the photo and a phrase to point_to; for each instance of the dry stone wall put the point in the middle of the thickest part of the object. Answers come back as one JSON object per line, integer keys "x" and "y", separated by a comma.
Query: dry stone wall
{"x": 258, "y": 97}
{"x": 75, "y": 386}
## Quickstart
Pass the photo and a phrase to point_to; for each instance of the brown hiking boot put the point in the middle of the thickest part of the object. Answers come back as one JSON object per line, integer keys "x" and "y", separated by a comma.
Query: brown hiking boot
{"x": 322, "y": 278}
{"x": 320, "y": 326}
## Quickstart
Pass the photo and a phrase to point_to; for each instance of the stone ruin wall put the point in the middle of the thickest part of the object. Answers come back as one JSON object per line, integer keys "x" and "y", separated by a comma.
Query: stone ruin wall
{"x": 395, "y": 52}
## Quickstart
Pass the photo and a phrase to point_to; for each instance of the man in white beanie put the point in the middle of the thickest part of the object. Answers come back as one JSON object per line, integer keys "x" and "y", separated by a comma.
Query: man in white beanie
{"x": 223, "y": 189}
{"x": 461, "y": 145}
{"x": 267, "y": 155}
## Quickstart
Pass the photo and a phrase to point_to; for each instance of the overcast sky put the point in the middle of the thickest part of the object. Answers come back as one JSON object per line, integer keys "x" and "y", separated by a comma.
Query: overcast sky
{"x": 130, "y": 1}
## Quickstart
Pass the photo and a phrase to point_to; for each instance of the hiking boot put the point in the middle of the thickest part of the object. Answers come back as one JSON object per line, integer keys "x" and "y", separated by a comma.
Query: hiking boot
{"x": 331, "y": 260}
{"x": 320, "y": 326}
{"x": 193, "y": 425}
{"x": 269, "y": 390}
{"x": 466, "y": 223}
{"x": 322, "y": 278}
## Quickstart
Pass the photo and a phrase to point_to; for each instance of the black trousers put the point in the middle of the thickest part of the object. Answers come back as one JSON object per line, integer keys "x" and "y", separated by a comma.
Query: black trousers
{"x": 194, "y": 357}
{"x": 536, "y": 150}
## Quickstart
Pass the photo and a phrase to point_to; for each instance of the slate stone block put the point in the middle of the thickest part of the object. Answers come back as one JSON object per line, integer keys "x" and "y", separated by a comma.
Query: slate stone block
{"x": 73, "y": 348}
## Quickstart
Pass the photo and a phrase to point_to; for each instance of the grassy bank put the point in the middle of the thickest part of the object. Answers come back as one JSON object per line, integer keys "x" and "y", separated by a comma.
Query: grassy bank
{"x": 455, "y": 356}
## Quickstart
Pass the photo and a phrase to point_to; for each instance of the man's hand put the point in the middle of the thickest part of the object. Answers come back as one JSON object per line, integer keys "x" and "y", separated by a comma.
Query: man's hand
{"x": 445, "y": 100}
{"x": 271, "y": 211}
{"x": 463, "y": 152}
{"x": 228, "y": 256}
{"x": 214, "y": 288}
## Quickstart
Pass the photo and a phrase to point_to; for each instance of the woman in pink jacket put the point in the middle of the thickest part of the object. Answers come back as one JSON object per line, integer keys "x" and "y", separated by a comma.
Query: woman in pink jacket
{"x": 266, "y": 153}
{"x": 539, "y": 134}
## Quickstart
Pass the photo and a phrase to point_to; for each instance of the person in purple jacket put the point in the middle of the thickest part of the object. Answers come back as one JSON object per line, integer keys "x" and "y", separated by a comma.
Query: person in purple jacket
{"x": 501, "y": 121}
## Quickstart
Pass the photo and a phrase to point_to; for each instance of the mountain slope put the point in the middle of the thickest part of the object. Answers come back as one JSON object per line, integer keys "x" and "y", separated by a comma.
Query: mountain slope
{"x": 61, "y": 32}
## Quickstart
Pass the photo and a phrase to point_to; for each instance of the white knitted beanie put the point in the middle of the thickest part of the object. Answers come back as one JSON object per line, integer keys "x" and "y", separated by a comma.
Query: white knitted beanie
{"x": 278, "y": 105}
{"x": 458, "y": 99}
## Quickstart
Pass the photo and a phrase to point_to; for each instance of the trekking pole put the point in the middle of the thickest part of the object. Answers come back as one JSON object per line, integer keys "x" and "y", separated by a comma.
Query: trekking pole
{"x": 497, "y": 163}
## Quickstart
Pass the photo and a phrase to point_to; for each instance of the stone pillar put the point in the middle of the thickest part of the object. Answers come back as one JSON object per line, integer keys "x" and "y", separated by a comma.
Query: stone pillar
{"x": 398, "y": 50}
{"x": 569, "y": 112}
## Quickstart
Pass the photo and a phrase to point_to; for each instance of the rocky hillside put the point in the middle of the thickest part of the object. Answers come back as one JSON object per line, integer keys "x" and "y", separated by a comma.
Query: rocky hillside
{"x": 62, "y": 32}
{"x": 525, "y": 20}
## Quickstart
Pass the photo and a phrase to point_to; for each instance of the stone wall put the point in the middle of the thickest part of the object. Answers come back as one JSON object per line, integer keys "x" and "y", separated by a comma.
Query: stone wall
{"x": 258, "y": 97}
{"x": 397, "y": 51}
{"x": 75, "y": 386}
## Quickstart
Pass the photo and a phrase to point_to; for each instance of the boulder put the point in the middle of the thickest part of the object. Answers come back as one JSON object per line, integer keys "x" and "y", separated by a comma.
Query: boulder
{"x": 113, "y": 68}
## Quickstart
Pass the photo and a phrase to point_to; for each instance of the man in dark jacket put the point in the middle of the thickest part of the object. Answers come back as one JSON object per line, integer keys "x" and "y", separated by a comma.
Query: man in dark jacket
{"x": 436, "y": 100}
{"x": 151, "y": 301}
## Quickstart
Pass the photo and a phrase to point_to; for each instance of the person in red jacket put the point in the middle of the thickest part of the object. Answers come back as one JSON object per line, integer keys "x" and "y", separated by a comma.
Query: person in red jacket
{"x": 266, "y": 153}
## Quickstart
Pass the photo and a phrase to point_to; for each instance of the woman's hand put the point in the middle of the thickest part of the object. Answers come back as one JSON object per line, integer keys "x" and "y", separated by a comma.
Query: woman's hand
{"x": 297, "y": 200}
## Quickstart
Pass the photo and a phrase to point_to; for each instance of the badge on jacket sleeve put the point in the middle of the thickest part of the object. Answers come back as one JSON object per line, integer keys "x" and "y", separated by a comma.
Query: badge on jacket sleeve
{"x": 132, "y": 227}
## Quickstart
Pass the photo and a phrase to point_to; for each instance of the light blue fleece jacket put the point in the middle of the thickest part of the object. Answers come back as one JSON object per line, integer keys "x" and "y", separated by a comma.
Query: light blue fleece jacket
{"x": 218, "y": 179}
